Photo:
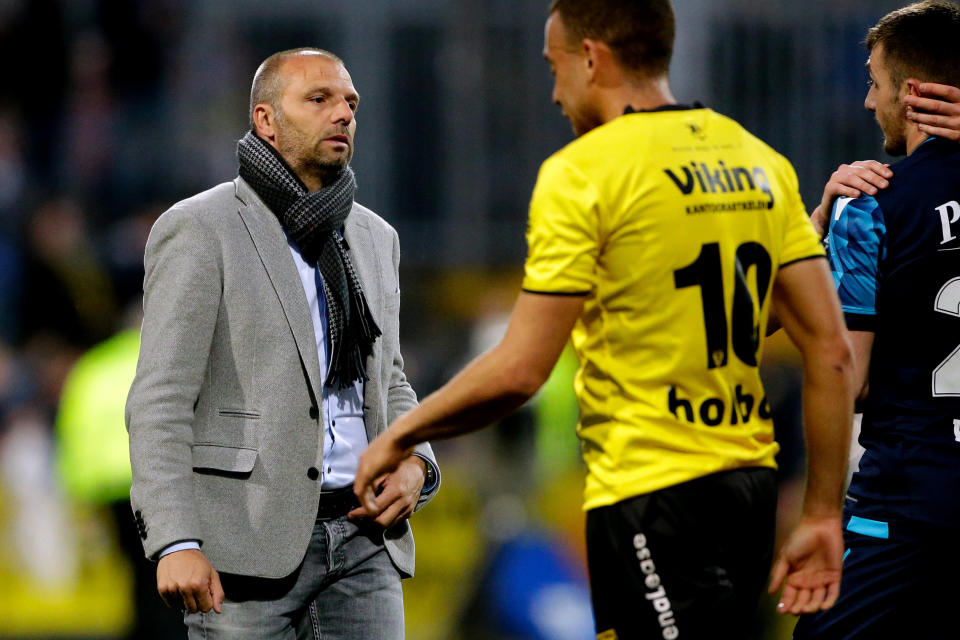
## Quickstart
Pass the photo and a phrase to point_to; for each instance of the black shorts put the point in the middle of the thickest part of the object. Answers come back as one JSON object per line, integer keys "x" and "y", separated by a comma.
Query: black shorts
{"x": 899, "y": 581}
{"x": 689, "y": 561}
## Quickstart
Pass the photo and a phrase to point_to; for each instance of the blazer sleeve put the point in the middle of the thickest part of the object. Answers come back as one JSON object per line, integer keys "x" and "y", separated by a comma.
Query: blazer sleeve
{"x": 183, "y": 286}
{"x": 400, "y": 395}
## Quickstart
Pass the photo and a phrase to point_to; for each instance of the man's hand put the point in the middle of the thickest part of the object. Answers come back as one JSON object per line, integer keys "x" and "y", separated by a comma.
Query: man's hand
{"x": 850, "y": 180}
{"x": 938, "y": 115}
{"x": 402, "y": 480}
{"x": 186, "y": 580}
{"x": 809, "y": 566}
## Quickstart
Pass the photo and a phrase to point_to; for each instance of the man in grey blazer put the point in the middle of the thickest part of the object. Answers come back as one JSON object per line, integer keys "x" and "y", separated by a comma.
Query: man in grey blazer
{"x": 270, "y": 358}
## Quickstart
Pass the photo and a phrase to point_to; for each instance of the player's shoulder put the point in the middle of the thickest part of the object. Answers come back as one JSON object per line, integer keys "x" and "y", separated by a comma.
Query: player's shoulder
{"x": 935, "y": 162}
{"x": 863, "y": 206}
{"x": 619, "y": 141}
{"x": 622, "y": 146}
{"x": 757, "y": 146}
{"x": 856, "y": 218}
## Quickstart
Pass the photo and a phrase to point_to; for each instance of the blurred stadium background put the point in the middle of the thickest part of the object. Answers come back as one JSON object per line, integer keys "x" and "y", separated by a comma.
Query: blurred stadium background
{"x": 112, "y": 110}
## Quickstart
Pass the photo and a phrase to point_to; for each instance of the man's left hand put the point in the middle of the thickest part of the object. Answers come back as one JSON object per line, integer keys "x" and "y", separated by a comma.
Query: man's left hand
{"x": 402, "y": 480}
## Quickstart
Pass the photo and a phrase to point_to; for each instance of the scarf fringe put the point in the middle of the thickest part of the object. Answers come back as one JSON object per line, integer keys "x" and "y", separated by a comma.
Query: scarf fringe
{"x": 364, "y": 331}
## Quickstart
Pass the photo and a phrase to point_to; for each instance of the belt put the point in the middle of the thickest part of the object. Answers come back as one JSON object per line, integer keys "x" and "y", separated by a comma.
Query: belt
{"x": 337, "y": 503}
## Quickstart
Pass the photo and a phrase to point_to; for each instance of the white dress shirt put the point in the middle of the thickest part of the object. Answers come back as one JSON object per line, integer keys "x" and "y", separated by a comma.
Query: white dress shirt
{"x": 341, "y": 413}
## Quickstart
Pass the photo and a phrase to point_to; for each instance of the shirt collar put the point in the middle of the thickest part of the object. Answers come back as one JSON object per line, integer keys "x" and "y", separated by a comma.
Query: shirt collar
{"x": 666, "y": 107}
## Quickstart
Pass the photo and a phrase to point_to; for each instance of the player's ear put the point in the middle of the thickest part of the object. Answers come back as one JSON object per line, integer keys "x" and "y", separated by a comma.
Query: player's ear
{"x": 597, "y": 56}
{"x": 590, "y": 55}
{"x": 913, "y": 87}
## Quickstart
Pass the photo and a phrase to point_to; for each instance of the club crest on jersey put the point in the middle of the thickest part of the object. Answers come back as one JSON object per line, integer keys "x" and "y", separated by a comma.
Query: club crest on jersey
{"x": 697, "y": 131}
{"x": 720, "y": 178}
{"x": 719, "y": 357}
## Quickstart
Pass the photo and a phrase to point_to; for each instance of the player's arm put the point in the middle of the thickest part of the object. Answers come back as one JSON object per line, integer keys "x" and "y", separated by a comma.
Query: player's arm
{"x": 937, "y": 111}
{"x": 810, "y": 561}
{"x": 862, "y": 342}
{"x": 489, "y": 388}
{"x": 849, "y": 181}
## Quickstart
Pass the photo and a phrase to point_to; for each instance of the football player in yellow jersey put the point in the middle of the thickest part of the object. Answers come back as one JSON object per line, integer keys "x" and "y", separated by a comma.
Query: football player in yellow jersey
{"x": 659, "y": 241}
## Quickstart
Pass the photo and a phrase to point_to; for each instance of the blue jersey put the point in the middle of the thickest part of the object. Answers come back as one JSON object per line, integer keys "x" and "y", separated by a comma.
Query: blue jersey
{"x": 896, "y": 262}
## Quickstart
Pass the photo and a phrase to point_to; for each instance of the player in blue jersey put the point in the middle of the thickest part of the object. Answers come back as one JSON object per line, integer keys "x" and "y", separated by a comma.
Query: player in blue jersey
{"x": 895, "y": 255}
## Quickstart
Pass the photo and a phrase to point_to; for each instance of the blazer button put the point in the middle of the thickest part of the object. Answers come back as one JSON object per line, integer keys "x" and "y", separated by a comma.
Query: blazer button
{"x": 314, "y": 413}
{"x": 313, "y": 473}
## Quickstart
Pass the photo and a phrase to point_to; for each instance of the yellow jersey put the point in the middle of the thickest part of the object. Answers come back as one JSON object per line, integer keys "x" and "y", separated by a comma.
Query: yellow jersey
{"x": 673, "y": 225}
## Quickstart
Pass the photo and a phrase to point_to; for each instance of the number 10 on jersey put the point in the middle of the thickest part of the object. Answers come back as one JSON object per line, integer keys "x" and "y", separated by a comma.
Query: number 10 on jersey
{"x": 743, "y": 329}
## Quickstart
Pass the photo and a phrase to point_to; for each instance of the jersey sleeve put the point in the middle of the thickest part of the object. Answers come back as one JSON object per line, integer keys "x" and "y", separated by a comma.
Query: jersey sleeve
{"x": 563, "y": 236}
{"x": 800, "y": 240}
{"x": 857, "y": 239}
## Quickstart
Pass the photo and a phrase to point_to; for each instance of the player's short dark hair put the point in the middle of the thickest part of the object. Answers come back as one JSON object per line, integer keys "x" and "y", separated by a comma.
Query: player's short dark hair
{"x": 266, "y": 87}
{"x": 639, "y": 32}
{"x": 920, "y": 41}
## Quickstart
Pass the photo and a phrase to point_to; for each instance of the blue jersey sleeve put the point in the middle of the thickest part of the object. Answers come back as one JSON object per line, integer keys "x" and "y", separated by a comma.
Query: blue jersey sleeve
{"x": 856, "y": 245}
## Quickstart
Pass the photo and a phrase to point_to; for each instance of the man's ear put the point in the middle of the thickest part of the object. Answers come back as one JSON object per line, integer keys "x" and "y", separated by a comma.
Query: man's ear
{"x": 590, "y": 57}
{"x": 598, "y": 57}
{"x": 913, "y": 87}
{"x": 264, "y": 121}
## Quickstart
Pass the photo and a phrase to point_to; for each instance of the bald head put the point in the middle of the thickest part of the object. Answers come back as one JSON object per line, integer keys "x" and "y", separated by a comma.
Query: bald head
{"x": 268, "y": 81}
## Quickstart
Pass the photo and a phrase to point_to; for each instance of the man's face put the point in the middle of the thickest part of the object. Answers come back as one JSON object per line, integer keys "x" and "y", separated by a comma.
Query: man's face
{"x": 315, "y": 122}
{"x": 884, "y": 99}
{"x": 570, "y": 82}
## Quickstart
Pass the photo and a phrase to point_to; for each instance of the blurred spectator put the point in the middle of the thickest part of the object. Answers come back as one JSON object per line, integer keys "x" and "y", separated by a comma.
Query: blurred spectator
{"x": 556, "y": 413}
{"x": 13, "y": 172}
{"x": 38, "y": 526}
{"x": 91, "y": 140}
{"x": 36, "y": 90}
{"x": 125, "y": 242}
{"x": 12, "y": 186}
{"x": 66, "y": 295}
{"x": 41, "y": 534}
{"x": 94, "y": 464}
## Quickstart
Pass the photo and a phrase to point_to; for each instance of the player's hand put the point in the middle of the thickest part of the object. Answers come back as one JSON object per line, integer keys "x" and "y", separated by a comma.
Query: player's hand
{"x": 809, "y": 566}
{"x": 388, "y": 482}
{"x": 850, "y": 180}
{"x": 937, "y": 111}
{"x": 186, "y": 580}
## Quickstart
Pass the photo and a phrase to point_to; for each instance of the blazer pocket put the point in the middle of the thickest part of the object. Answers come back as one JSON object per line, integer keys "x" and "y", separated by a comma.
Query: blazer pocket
{"x": 223, "y": 458}
{"x": 239, "y": 413}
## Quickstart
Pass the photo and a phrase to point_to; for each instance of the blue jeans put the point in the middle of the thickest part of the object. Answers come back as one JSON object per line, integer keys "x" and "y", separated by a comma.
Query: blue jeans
{"x": 346, "y": 589}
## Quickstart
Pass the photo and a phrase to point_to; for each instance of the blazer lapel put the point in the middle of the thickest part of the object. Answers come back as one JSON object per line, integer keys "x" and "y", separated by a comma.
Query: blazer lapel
{"x": 358, "y": 236}
{"x": 271, "y": 244}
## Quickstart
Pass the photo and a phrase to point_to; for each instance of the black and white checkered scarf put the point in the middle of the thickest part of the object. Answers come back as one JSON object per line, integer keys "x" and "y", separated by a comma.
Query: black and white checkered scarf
{"x": 313, "y": 222}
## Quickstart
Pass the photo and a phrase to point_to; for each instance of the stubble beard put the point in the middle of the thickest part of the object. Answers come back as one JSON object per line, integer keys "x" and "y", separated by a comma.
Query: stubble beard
{"x": 309, "y": 160}
{"x": 583, "y": 119}
{"x": 894, "y": 131}
{"x": 895, "y": 144}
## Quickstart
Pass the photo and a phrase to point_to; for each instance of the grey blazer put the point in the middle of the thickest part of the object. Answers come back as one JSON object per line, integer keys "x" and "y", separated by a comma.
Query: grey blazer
{"x": 222, "y": 413}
